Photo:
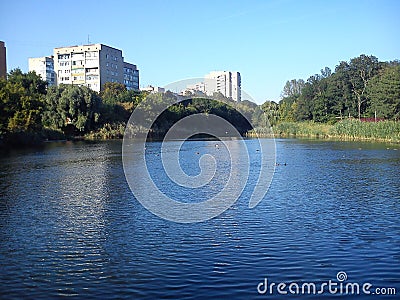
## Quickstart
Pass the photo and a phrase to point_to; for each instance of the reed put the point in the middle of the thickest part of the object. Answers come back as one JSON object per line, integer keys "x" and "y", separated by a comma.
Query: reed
{"x": 354, "y": 129}
{"x": 388, "y": 131}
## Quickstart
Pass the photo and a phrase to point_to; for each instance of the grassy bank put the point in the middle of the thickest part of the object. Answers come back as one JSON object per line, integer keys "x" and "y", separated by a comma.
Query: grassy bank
{"x": 107, "y": 131}
{"x": 387, "y": 131}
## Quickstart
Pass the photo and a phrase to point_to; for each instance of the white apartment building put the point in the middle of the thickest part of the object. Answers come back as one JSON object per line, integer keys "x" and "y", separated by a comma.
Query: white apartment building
{"x": 226, "y": 82}
{"x": 93, "y": 65}
{"x": 44, "y": 67}
{"x": 153, "y": 89}
{"x": 197, "y": 87}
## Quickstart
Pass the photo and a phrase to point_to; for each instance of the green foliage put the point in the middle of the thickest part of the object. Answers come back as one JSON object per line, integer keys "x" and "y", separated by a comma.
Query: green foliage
{"x": 361, "y": 87}
{"x": 354, "y": 129}
{"x": 72, "y": 105}
{"x": 108, "y": 131}
{"x": 358, "y": 88}
{"x": 270, "y": 112}
{"x": 21, "y": 102}
{"x": 384, "y": 94}
{"x": 351, "y": 129}
{"x": 308, "y": 129}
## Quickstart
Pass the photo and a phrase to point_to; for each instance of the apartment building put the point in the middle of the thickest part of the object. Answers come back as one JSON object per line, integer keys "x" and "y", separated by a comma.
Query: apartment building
{"x": 131, "y": 76}
{"x": 226, "y": 82}
{"x": 3, "y": 60}
{"x": 93, "y": 65}
{"x": 44, "y": 67}
{"x": 197, "y": 87}
{"x": 153, "y": 89}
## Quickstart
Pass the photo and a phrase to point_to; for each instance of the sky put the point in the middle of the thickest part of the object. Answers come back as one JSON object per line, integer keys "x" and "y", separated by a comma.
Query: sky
{"x": 267, "y": 41}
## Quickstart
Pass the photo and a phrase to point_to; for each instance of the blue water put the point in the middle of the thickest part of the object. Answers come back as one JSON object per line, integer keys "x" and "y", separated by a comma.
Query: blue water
{"x": 70, "y": 226}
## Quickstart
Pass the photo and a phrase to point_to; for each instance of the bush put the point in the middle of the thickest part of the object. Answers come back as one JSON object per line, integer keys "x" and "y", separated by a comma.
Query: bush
{"x": 108, "y": 131}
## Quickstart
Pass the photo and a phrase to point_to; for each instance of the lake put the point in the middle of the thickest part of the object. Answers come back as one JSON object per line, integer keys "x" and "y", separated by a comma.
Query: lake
{"x": 70, "y": 225}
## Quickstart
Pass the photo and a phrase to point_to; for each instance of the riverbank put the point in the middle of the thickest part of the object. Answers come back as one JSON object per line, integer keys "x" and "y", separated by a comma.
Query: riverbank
{"x": 30, "y": 138}
{"x": 346, "y": 130}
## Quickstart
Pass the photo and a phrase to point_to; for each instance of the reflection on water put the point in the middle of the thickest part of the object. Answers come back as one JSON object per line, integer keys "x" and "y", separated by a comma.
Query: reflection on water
{"x": 69, "y": 224}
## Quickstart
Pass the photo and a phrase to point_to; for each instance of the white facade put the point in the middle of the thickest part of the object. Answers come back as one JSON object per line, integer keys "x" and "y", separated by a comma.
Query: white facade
{"x": 197, "y": 87}
{"x": 225, "y": 82}
{"x": 44, "y": 67}
{"x": 153, "y": 89}
{"x": 93, "y": 65}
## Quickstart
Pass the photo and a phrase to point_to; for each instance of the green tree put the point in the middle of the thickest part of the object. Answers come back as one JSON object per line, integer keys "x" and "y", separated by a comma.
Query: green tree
{"x": 21, "y": 102}
{"x": 361, "y": 70}
{"x": 293, "y": 88}
{"x": 383, "y": 91}
{"x": 72, "y": 105}
{"x": 112, "y": 91}
{"x": 271, "y": 111}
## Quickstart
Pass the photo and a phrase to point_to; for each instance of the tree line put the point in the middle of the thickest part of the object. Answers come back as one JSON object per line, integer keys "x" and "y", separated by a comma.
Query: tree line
{"x": 361, "y": 88}
{"x": 31, "y": 111}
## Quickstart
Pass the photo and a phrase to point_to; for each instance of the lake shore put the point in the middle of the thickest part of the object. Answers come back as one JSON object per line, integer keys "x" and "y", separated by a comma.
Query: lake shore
{"x": 347, "y": 130}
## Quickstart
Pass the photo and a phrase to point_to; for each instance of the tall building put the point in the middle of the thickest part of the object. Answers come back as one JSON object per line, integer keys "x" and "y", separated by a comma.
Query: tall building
{"x": 44, "y": 66}
{"x": 131, "y": 76}
{"x": 3, "y": 61}
{"x": 94, "y": 65}
{"x": 226, "y": 82}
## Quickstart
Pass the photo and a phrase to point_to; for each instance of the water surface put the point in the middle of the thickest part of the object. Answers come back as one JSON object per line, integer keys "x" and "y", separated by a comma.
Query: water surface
{"x": 70, "y": 226}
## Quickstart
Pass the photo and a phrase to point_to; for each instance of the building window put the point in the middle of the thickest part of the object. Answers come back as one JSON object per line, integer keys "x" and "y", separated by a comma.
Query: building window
{"x": 63, "y": 56}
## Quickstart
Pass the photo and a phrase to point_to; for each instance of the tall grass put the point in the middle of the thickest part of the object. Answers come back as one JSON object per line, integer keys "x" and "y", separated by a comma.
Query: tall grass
{"x": 354, "y": 129}
{"x": 308, "y": 129}
{"x": 344, "y": 130}
{"x": 108, "y": 131}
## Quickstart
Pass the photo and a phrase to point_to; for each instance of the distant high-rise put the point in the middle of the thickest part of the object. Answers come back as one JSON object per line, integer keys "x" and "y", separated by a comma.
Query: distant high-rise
{"x": 225, "y": 82}
{"x": 3, "y": 61}
{"x": 44, "y": 66}
{"x": 94, "y": 65}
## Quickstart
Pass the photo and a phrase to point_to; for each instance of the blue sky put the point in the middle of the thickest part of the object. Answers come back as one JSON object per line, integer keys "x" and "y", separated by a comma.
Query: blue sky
{"x": 268, "y": 42}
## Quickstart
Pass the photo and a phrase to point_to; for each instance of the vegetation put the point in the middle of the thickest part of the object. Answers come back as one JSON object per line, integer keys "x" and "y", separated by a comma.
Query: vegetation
{"x": 360, "y": 88}
{"x": 329, "y": 104}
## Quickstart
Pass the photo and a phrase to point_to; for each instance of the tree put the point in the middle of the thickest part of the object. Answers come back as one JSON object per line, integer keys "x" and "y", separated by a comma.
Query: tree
{"x": 361, "y": 70}
{"x": 292, "y": 88}
{"x": 383, "y": 91}
{"x": 72, "y": 105}
{"x": 271, "y": 111}
{"x": 21, "y": 102}
{"x": 112, "y": 91}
